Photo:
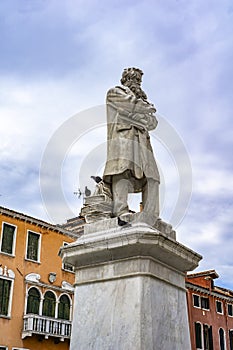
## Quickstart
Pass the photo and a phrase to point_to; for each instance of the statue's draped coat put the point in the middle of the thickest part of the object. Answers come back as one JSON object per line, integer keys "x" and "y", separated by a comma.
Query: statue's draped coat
{"x": 128, "y": 149}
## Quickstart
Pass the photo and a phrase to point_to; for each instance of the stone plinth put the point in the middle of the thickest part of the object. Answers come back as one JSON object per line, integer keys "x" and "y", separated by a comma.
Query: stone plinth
{"x": 130, "y": 290}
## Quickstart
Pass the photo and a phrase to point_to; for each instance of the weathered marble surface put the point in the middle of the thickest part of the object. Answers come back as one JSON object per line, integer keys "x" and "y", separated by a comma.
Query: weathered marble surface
{"x": 96, "y": 208}
{"x": 120, "y": 243}
{"x": 130, "y": 165}
{"x": 134, "y": 219}
{"x": 139, "y": 313}
{"x": 130, "y": 290}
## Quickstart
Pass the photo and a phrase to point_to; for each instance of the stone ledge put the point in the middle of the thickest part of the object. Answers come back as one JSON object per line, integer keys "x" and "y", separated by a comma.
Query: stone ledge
{"x": 121, "y": 243}
{"x": 129, "y": 268}
{"x": 133, "y": 219}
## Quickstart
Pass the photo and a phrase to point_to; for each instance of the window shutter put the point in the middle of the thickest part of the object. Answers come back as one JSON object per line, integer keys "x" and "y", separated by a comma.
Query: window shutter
{"x": 198, "y": 335}
{"x": 7, "y": 239}
{"x": 4, "y": 296}
{"x": 49, "y": 305}
{"x": 32, "y": 249}
{"x": 33, "y": 301}
{"x": 64, "y": 308}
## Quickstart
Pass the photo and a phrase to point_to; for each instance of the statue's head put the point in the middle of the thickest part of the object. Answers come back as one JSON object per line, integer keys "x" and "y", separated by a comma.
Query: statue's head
{"x": 131, "y": 76}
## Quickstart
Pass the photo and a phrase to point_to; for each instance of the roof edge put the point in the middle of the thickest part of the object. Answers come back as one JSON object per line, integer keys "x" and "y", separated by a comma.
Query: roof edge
{"x": 38, "y": 222}
{"x": 210, "y": 273}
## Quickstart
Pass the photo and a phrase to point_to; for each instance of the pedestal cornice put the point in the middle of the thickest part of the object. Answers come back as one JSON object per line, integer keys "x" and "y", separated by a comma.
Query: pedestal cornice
{"x": 121, "y": 243}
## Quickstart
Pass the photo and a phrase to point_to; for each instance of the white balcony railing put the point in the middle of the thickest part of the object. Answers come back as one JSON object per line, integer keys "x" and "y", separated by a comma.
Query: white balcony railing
{"x": 46, "y": 326}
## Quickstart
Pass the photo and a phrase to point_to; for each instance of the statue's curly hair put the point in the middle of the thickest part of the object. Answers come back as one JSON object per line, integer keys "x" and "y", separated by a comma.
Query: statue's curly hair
{"x": 130, "y": 73}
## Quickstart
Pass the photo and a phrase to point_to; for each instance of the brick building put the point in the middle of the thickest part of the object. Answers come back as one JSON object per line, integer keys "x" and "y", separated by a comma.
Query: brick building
{"x": 210, "y": 310}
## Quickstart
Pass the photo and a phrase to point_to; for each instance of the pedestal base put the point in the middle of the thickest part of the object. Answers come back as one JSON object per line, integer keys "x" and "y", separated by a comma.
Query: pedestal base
{"x": 130, "y": 290}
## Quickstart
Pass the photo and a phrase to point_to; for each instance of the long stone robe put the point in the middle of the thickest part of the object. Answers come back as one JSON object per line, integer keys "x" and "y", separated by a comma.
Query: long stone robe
{"x": 129, "y": 150}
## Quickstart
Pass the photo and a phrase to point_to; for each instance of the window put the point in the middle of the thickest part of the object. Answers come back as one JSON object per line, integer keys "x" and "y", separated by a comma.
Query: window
{"x": 230, "y": 309}
{"x": 211, "y": 345}
{"x": 8, "y": 238}
{"x": 198, "y": 336}
{"x": 208, "y": 337}
{"x": 231, "y": 339}
{"x": 205, "y": 303}
{"x": 196, "y": 300}
{"x": 33, "y": 301}
{"x": 49, "y": 304}
{"x": 5, "y": 286}
{"x": 33, "y": 246}
{"x": 67, "y": 267}
{"x": 5, "y": 289}
{"x": 221, "y": 339}
{"x": 201, "y": 302}
{"x": 219, "y": 307}
{"x": 64, "y": 308}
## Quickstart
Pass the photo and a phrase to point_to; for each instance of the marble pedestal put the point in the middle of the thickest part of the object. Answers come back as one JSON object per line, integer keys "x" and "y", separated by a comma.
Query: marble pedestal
{"x": 130, "y": 289}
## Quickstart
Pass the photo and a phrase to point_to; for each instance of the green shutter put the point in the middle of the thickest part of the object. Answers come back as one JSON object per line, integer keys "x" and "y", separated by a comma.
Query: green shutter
{"x": 49, "y": 305}
{"x": 64, "y": 308}
{"x": 7, "y": 238}
{"x": 4, "y": 296}
{"x": 33, "y": 246}
{"x": 33, "y": 301}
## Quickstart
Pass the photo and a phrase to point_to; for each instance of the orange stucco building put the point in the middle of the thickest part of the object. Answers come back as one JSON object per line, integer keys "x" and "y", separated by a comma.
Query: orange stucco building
{"x": 36, "y": 289}
{"x": 210, "y": 310}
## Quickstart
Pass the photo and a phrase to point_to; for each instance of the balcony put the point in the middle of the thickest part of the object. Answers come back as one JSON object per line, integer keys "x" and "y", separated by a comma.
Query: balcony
{"x": 46, "y": 326}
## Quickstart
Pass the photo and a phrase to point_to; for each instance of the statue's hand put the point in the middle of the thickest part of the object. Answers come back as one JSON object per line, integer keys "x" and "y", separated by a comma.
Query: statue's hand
{"x": 151, "y": 121}
{"x": 144, "y": 107}
{"x": 138, "y": 117}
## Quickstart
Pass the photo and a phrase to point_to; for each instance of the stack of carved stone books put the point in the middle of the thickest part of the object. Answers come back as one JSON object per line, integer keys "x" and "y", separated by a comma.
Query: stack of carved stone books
{"x": 97, "y": 207}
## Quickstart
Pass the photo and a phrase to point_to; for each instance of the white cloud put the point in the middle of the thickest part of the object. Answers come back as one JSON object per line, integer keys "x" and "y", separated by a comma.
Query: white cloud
{"x": 185, "y": 49}
{"x": 212, "y": 180}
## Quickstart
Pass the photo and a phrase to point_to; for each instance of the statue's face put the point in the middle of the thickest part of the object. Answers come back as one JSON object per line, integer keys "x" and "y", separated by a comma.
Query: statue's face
{"x": 134, "y": 80}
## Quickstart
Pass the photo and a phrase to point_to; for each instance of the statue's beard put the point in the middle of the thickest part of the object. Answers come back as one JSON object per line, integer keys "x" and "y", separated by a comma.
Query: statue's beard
{"x": 138, "y": 92}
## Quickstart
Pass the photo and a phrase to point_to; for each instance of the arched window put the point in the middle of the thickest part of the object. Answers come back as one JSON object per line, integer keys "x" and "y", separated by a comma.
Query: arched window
{"x": 231, "y": 339}
{"x": 198, "y": 335}
{"x": 222, "y": 339}
{"x": 49, "y": 304}
{"x": 208, "y": 337}
{"x": 33, "y": 301}
{"x": 64, "y": 307}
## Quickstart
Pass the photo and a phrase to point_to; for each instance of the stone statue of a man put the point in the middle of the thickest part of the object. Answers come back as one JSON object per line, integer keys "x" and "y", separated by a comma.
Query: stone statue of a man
{"x": 130, "y": 165}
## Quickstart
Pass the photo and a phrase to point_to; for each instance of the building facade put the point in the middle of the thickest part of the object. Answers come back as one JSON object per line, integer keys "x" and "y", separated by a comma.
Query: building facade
{"x": 36, "y": 289}
{"x": 210, "y": 311}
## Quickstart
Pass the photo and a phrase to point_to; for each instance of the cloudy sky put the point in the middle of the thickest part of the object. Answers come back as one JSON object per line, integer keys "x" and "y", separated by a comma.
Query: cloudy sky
{"x": 58, "y": 59}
